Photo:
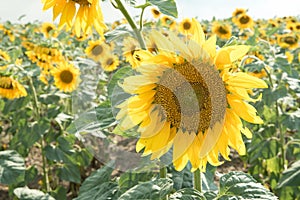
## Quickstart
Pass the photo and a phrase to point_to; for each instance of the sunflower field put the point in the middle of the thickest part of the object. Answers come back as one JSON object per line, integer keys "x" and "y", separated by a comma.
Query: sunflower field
{"x": 159, "y": 108}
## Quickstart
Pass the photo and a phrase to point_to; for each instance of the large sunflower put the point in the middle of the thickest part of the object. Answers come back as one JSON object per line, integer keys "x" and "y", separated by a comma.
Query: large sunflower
{"x": 11, "y": 89}
{"x": 66, "y": 77}
{"x": 88, "y": 15}
{"x": 190, "y": 97}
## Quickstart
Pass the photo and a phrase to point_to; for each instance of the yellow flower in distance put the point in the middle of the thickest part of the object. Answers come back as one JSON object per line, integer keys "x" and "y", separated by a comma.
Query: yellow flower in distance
{"x": 186, "y": 26}
{"x": 223, "y": 31}
{"x": 236, "y": 13}
{"x": 11, "y": 89}
{"x": 49, "y": 29}
{"x": 244, "y": 21}
{"x": 187, "y": 96}
{"x": 156, "y": 14}
{"x": 97, "y": 49}
{"x": 110, "y": 62}
{"x": 66, "y": 77}
{"x": 4, "y": 58}
{"x": 289, "y": 41}
{"x": 88, "y": 15}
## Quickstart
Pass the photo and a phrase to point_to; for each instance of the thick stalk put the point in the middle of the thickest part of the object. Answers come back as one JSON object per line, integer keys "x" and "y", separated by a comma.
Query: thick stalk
{"x": 197, "y": 180}
{"x": 46, "y": 184}
{"x": 163, "y": 174}
{"x": 137, "y": 32}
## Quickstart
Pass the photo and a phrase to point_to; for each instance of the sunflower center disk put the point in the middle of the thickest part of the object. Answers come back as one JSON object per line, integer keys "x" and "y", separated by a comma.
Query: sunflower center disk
{"x": 66, "y": 76}
{"x": 186, "y": 26}
{"x": 97, "y": 50}
{"x": 222, "y": 30}
{"x": 244, "y": 19}
{"x": 290, "y": 40}
{"x": 187, "y": 94}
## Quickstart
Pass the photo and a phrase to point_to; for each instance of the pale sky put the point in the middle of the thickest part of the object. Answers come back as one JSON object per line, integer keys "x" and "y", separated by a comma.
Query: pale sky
{"x": 12, "y": 9}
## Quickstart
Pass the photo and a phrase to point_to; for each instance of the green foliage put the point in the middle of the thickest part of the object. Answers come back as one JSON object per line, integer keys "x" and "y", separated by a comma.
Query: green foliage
{"x": 291, "y": 176}
{"x": 238, "y": 185}
{"x": 12, "y": 167}
{"x": 187, "y": 194}
{"x": 25, "y": 193}
{"x": 155, "y": 189}
{"x": 167, "y": 7}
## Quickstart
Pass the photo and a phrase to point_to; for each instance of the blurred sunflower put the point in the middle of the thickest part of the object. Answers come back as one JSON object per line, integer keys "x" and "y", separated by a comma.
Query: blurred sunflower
{"x": 110, "y": 62}
{"x": 168, "y": 22}
{"x": 88, "y": 15}
{"x": 11, "y": 89}
{"x": 155, "y": 13}
{"x": 66, "y": 77}
{"x": 187, "y": 96}
{"x": 237, "y": 12}
{"x": 4, "y": 58}
{"x": 130, "y": 45}
{"x": 223, "y": 31}
{"x": 48, "y": 29}
{"x": 289, "y": 40}
{"x": 186, "y": 26}
{"x": 97, "y": 49}
{"x": 244, "y": 21}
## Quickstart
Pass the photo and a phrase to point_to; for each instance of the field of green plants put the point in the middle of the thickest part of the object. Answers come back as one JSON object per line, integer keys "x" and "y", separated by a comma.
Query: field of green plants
{"x": 159, "y": 108}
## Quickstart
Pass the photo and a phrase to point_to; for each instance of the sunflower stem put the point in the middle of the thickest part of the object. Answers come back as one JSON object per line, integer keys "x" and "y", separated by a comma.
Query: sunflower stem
{"x": 278, "y": 124}
{"x": 46, "y": 184}
{"x": 163, "y": 174}
{"x": 137, "y": 32}
{"x": 197, "y": 180}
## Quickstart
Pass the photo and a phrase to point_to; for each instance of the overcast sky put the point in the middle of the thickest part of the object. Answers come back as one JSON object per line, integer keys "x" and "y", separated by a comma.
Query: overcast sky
{"x": 13, "y": 9}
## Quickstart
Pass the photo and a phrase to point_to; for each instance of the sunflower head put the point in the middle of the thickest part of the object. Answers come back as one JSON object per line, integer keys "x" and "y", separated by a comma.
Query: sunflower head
{"x": 187, "y": 96}
{"x": 289, "y": 40}
{"x": 66, "y": 77}
{"x": 186, "y": 26}
{"x": 155, "y": 13}
{"x": 244, "y": 21}
{"x": 10, "y": 88}
{"x": 97, "y": 50}
{"x": 168, "y": 22}
{"x": 48, "y": 29}
{"x": 223, "y": 31}
{"x": 110, "y": 62}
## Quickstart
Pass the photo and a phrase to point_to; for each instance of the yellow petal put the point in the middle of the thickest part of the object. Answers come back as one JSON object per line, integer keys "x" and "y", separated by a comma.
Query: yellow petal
{"x": 210, "y": 46}
{"x": 198, "y": 36}
{"x": 241, "y": 79}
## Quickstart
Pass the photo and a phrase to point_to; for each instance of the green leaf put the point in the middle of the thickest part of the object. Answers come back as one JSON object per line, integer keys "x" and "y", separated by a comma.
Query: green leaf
{"x": 239, "y": 185}
{"x": 69, "y": 172}
{"x": 156, "y": 189}
{"x": 130, "y": 179}
{"x": 12, "y": 167}
{"x": 187, "y": 194}
{"x": 291, "y": 176}
{"x": 167, "y": 7}
{"x": 98, "y": 186}
{"x": 118, "y": 33}
{"x": 25, "y": 193}
{"x": 183, "y": 178}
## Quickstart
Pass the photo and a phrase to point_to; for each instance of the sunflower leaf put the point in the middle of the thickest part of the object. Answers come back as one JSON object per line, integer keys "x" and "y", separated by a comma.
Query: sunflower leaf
{"x": 12, "y": 167}
{"x": 25, "y": 193}
{"x": 242, "y": 186}
{"x": 291, "y": 176}
{"x": 156, "y": 189}
{"x": 187, "y": 194}
{"x": 167, "y": 7}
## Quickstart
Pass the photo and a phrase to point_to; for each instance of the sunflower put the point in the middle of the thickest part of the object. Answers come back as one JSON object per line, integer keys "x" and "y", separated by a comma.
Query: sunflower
{"x": 289, "y": 40}
{"x": 185, "y": 26}
{"x": 223, "y": 31}
{"x": 11, "y": 89}
{"x": 130, "y": 45}
{"x": 237, "y": 12}
{"x": 97, "y": 49}
{"x": 168, "y": 22}
{"x": 155, "y": 13}
{"x": 110, "y": 62}
{"x": 88, "y": 15}
{"x": 48, "y": 29}
{"x": 4, "y": 58}
{"x": 187, "y": 96}
{"x": 244, "y": 21}
{"x": 66, "y": 77}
